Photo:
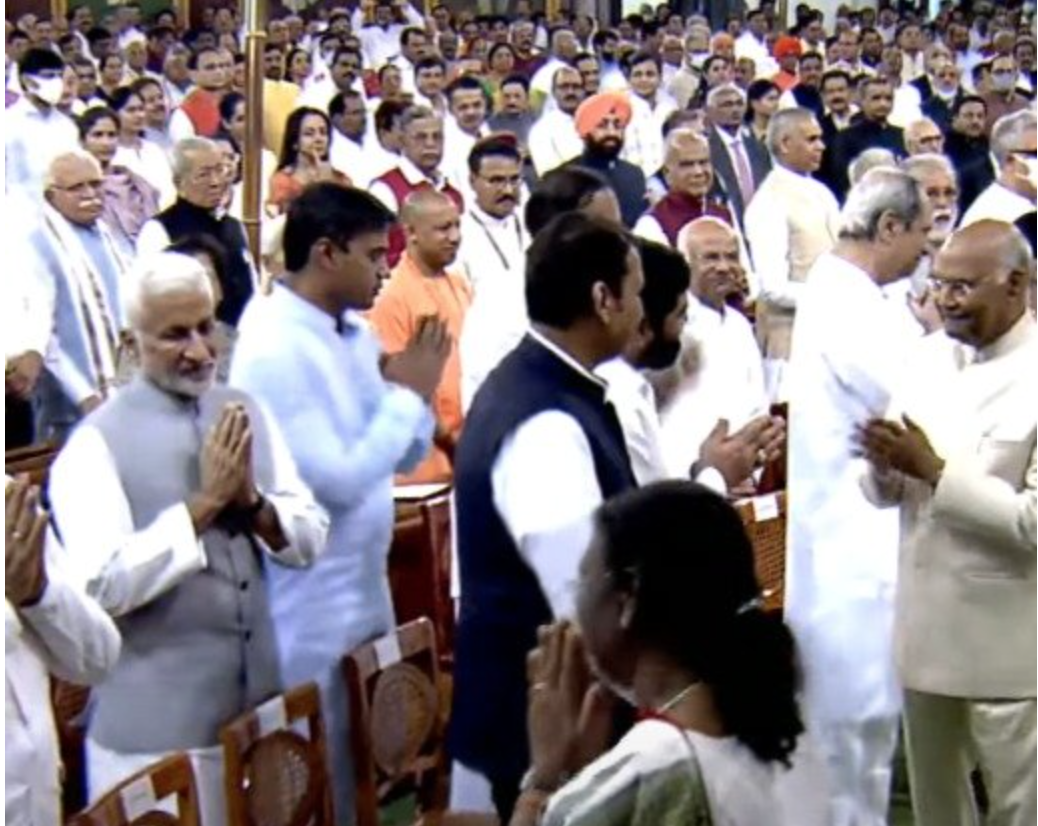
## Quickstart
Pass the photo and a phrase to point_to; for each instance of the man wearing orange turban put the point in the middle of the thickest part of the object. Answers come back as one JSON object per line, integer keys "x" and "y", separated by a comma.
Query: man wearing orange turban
{"x": 601, "y": 121}
{"x": 786, "y": 51}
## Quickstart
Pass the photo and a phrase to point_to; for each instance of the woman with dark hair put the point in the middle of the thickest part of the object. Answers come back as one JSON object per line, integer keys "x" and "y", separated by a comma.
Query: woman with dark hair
{"x": 567, "y": 190}
{"x": 137, "y": 153}
{"x": 304, "y": 157}
{"x": 762, "y": 100}
{"x": 111, "y": 75}
{"x": 232, "y": 136}
{"x": 671, "y": 619}
{"x": 129, "y": 200}
{"x": 500, "y": 64}
{"x": 298, "y": 66}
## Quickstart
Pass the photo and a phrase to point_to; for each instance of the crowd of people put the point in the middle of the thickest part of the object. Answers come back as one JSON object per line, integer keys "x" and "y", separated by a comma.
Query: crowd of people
{"x": 603, "y": 278}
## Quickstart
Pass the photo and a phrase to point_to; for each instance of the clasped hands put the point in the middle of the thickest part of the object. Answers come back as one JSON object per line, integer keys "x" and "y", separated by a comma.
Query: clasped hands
{"x": 899, "y": 446}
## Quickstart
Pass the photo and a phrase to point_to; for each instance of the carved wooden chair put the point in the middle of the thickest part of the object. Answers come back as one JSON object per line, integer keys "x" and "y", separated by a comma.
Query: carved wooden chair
{"x": 274, "y": 775}
{"x": 765, "y": 521}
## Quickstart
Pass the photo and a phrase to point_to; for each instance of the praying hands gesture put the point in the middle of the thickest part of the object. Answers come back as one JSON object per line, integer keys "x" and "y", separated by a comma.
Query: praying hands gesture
{"x": 735, "y": 456}
{"x": 25, "y": 528}
{"x": 570, "y": 715}
{"x": 419, "y": 366}
{"x": 225, "y": 468}
{"x": 900, "y": 446}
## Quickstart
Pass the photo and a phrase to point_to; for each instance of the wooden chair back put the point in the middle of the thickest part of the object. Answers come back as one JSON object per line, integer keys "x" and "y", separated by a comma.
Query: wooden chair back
{"x": 397, "y": 721}
{"x": 765, "y": 521}
{"x": 773, "y": 477}
{"x": 143, "y": 800}
{"x": 274, "y": 774}
{"x": 420, "y": 567}
{"x": 69, "y": 702}
{"x": 34, "y": 460}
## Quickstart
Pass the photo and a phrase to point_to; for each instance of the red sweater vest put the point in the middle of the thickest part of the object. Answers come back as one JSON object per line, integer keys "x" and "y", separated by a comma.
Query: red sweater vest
{"x": 676, "y": 209}
{"x": 202, "y": 108}
{"x": 401, "y": 188}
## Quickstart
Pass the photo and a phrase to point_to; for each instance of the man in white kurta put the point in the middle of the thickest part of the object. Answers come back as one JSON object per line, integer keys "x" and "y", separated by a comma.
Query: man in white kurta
{"x": 51, "y": 628}
{"x": 791, "y": 221}
{"x": 351, "y": 424}
{"x": 841, "y": 563}
{"x": 553, "y": 138}
{"x": 171, "y": 499}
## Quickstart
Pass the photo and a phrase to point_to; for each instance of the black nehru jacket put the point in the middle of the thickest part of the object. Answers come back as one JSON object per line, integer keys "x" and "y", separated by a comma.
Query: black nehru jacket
{"x": 859, "y": 136}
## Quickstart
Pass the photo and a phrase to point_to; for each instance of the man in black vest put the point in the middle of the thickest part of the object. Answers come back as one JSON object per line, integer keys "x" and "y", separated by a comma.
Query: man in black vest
{"x": 203, "y": 186}
{"x": 869, "y": 131}
{"x": 540, "y": 451}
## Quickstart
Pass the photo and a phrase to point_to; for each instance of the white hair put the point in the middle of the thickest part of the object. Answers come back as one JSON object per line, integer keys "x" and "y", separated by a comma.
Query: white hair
{"x": 918, "y": 165}
{"x": 1008, "y": 131}
{"x": 874, "y": 158}
{"x": 183, "y": 152}
{"x": 49, "y": 177}
{"x": 161, "y": 274}
{"x": 724, "y": 88}
{"x": 880, "y": 192}
{"x": 782, "y": 124}
{"x": 678, "y": 136}
{"x": 691, "y": 226}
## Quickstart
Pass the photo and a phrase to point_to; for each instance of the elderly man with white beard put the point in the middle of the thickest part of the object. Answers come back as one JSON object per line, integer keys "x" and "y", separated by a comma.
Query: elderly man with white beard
{"x": 172, "y": 497}
{"x": 936, "y": 175}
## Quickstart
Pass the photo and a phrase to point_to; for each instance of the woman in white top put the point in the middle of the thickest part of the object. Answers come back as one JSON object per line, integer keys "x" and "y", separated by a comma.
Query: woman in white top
{"x": 671, "y": 620}
{"x": 135, "y": 152}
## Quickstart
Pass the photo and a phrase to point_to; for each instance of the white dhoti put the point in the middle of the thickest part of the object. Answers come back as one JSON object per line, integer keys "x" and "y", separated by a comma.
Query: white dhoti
{"x": 107, "y": 769}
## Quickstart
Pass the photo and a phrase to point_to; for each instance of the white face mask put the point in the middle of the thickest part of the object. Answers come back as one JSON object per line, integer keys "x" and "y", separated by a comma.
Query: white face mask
{"x": 49, "y": 89}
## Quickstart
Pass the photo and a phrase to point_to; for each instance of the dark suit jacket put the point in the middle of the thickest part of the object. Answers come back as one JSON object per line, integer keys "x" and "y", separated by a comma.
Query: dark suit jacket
{"x": 972, "y": 161}
{"x": 858, "y": 137}
{"x": 625, "y": 179}
{"x": 724, "y": 171}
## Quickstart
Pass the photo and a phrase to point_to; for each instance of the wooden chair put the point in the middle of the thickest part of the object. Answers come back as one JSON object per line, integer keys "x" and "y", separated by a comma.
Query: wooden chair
{"x": 274, "y": 775}
{"x": 420, "y": 567}
{"x": 35, "y": 460}
{"x": 397, "y": 727}
{"x": 765, "y": 521}
{"x": 774, "y": 476}
{"x": 138, "y": 800}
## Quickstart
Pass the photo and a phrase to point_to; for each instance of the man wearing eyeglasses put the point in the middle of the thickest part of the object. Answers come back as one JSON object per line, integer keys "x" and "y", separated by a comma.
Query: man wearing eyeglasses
{"x": 200, "y": 175}
{"x": 956, "y": 453}
{"x": 1014, "y": 143}
{"x": 70, "y": 303}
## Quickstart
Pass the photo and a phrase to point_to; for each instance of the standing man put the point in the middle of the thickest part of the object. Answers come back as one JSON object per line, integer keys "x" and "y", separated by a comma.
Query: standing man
{"x": 541, "y": 450}
{"x": 848, "y": 349}
{"x": 739, "y": 161}
{"x": 351, "y": 151}
{"x": 1014, "y": 141}
{"x": 792, "y": 220}
{"x": 871, "y": 131}
{"x": 958, "y": 456}
{"x": 421, "y": 137}
{"x": 201, "y": 181}
{"x": 424, "y": 285}
{"x": 468, "y": 104}
{"x": 352, "y": 419}
{"x": 553, "y": 138}
{"x": 601, "y": 122}
{"x": 199, "y": 112}
{"x": 173, "y": 497}
{"x": 36, "y": 132}
{"x": 493, "y": 258}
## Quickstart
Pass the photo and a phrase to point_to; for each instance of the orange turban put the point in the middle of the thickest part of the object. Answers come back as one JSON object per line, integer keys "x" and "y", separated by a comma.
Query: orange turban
{"x": 598, "y": 107}
{"x": 787, "y": 46}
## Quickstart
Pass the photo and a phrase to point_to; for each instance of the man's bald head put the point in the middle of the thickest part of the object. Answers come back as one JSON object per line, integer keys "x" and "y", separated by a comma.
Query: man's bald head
{"x": 711, "y": 248}
{"x": 981, "y": 279}
{"x": 432, "y": 225}
{"x": 73, "y": 186}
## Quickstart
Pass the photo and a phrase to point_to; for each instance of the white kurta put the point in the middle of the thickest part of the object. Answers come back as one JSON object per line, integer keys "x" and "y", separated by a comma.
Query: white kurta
{"x": 68, "y": 635}
{"x": 553, "y": 141}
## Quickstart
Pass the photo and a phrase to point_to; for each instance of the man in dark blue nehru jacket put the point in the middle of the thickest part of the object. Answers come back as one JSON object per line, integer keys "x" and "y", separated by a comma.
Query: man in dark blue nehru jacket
{"x": 540, "y": 451}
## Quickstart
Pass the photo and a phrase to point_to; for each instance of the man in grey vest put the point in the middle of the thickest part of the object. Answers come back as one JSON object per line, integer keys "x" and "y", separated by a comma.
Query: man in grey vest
{"x": 171, "y": 498}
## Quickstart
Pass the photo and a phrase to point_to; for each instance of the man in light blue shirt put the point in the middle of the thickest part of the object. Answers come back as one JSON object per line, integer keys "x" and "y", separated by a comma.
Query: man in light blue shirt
{"x": 352, "y": 419}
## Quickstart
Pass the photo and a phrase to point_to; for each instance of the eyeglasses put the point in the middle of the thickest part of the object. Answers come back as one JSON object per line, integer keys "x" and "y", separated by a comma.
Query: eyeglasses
{"x": 954, "y": 288}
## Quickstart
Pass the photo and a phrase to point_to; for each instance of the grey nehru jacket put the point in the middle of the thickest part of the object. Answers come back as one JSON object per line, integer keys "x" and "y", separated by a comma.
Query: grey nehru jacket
{"x": 204, "y": 651}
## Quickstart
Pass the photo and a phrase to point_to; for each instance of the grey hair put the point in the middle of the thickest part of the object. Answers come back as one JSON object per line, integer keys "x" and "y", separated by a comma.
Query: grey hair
{"x": 413, "y": 113}
{"x": 1008, "y": 131}
{"x": 875, "y": 158}
{"x": 680, "y": 135}
{"x": 161, "y": 274}
{"x": 724, "y": 88}
{"x": 880, "y": 192}
{"x": 782, "y": 124}
{"x": 184, "y": 151}
{"x": 72, "y": 155}
{"x": 918, "y": 165}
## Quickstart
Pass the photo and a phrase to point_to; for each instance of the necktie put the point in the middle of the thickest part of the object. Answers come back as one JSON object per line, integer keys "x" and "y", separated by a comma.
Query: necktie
{"x": 742, "y": 171}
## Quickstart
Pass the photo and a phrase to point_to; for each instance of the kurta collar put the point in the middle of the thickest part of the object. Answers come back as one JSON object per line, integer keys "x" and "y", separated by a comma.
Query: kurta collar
{"x": 1018, "y": 335}
{"x": 312, "y": 315}
{"x": 567, "y": 359}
